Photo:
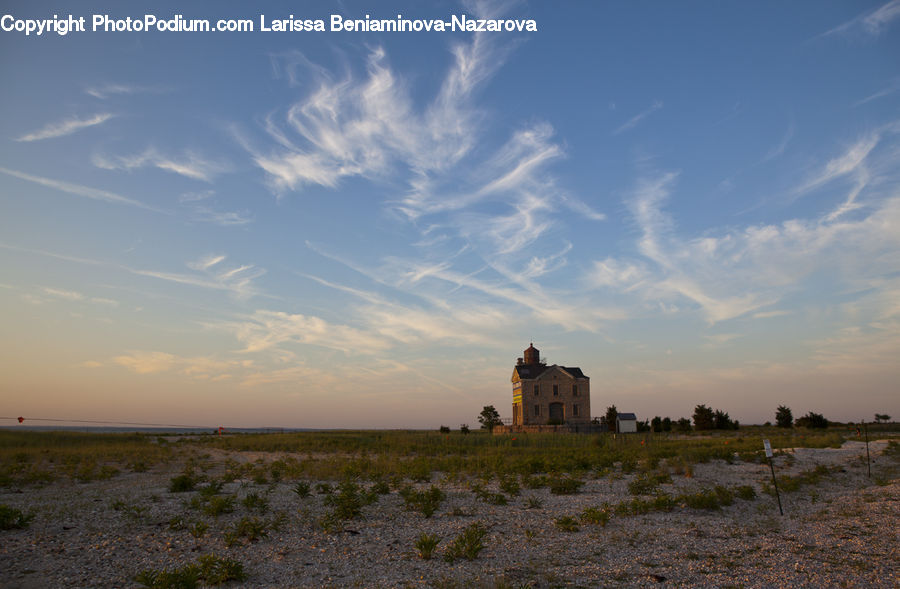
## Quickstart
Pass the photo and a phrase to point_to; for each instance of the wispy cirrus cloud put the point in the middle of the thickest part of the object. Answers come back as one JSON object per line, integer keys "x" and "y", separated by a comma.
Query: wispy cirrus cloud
{"x": 196, "y": 367}
{"x": 266, "y": 330}
{"x": 202, "y": 208}
{"x": 764, "y": 263}
{"x": 79, "y": 190}
{"x": 779, "y": 149}
{"x": 105, "y": 91}
{"x": 189, "y": 165}
{"x": 633, "y": 121}
{"x": 211, "y": 272}
{"x": 65, "y": 127}
{"x": 870, "y": 23}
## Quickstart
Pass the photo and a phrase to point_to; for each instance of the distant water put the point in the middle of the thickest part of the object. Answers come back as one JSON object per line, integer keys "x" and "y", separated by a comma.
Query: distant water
{"x": 152, "y": 430}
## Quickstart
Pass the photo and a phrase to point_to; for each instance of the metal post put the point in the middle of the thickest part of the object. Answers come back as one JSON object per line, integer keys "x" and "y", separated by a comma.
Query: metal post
{"x": 769, "y": 454}
{"x": 774, "y": 482}
{"x": 868, "y": 460}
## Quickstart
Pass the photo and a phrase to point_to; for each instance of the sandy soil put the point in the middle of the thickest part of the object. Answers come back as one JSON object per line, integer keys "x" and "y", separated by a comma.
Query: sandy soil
{"x": 839, "y": 532}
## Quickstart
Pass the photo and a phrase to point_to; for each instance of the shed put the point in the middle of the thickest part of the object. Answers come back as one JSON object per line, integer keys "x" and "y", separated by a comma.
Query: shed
{"x": 626, "y": 423}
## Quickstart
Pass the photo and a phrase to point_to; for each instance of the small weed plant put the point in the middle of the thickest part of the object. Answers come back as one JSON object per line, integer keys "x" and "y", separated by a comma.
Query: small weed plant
{"x": 209, "y": 569}
{"x": 565, "y": 485}
{"x": 183, "y": 483}
{"x": 596, "y": 515}
{"x": 426, "y": 502}
{"x": 14, "y": 519}
{"x": 567, "y": 523}
{"x": 468, "y": 544}
{"x": 426, "y": 544}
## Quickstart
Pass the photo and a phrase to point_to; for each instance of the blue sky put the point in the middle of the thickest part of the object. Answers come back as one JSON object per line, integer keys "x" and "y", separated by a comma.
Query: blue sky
{"x": 695, "y": 202}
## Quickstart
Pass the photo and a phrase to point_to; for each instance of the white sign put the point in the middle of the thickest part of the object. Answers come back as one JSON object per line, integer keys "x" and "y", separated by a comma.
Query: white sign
{"x": 768, "y": 448}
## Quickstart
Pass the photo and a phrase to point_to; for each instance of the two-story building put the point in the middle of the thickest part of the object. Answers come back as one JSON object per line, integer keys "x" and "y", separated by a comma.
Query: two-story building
{"x": 549, "y": 395}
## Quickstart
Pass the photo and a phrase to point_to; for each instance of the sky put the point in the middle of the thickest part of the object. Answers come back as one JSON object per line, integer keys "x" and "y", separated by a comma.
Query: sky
{"x": 693, "y": 202}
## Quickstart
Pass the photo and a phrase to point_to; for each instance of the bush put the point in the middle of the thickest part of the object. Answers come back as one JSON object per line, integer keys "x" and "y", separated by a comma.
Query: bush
{"x": 14, "y": 519}
{"x": 468, "y": 544}
{"x": 813, "y": 421}
{"x": 302, "y": 489}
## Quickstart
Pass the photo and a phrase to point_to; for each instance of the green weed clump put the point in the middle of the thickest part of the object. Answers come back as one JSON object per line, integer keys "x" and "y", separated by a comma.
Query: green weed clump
{"x": 183, "y": 483}
{"x": 468, "y": 544}
{"x": 708, "y": 498}
{"x": 745, "y": 492}
{"x": 790, "y": 484}
{"x": 565, "y": 485}
{"x": 567, "y": 523}
{"x": 426, "y": 545}
{"x": 596, "y": 515}
{"x": 249, "y": 528}
{"x": 302, "y": 489}
{"x": 14, "y": 519}
{"x": 509, "y": 485}
{"x": 427, "y": 502}
{"x": 489, "y": 496}
{"x": 648, "y": 483}
{"x": 214, "y": 505}
{"x": 254, "y": 501}
{"x": 210, "y": 569}
{"x": 534, "y": 503}
{"x": 639, "y": 505}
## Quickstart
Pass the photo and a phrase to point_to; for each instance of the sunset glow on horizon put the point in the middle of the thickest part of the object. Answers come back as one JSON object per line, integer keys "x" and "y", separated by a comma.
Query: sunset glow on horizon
{"x": 693, "y": 203}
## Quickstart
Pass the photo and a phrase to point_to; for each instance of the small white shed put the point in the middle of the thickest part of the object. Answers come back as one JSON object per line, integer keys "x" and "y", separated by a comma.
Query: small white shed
{"x": 626, "y": 423}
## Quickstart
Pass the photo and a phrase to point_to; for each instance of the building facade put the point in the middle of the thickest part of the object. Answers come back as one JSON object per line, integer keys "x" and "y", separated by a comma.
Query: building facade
{"x": 549, "y": 395}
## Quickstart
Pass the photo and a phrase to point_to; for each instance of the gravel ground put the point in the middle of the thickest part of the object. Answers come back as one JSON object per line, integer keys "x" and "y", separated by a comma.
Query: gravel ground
{"x": 839, "y": 532}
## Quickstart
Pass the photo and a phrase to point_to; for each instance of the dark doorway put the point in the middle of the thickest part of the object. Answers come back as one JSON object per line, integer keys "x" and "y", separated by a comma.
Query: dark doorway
{"x": 556, "y": 413}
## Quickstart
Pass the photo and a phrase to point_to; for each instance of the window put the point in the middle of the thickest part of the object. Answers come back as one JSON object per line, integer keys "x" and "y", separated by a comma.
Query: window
{"x": 537, "y": 410}
{"x": 575, "y": 410}
{"x": 556, "y": 390}
{"x": 574, "y": 390}
{"x": 537, "y": 390}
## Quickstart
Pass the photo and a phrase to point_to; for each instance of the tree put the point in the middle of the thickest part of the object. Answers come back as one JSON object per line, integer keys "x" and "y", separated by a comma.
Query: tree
{"x": 881, "y": 417}
{"x": 489, "y": 418}
{"x": 611, "y": 414}
{"x": 721, "y": 420}
{"x": 684, "y": 424}
{"x": 667, "y": 424}
{"x": 464, "y": 428}
{"x": 784, "y": 417}
{"x": 656, "y": 424}
{"x": 704, "y": 418}
{"x": 813, "y": 421}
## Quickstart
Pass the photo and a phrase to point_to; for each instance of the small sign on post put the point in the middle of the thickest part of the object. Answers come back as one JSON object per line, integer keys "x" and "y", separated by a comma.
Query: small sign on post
{"x": 769, "y": 455}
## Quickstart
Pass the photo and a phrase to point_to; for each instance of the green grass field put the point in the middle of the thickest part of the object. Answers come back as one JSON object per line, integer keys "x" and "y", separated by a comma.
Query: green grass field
{"x": 42, "y": 457}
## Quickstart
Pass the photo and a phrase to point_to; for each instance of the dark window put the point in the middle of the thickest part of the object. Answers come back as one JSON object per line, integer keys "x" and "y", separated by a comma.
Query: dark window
{"x": 537, "y": 390}
{"x": 574, "y": 390}
{"x": 556, "y": 390}
{"x": 575, "y": 410}
{"x": 537, "y": 410}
